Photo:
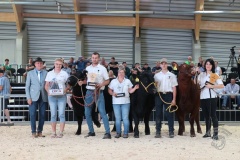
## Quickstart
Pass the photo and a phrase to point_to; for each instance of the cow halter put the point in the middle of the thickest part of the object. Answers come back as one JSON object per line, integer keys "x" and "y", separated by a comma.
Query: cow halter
{"x": 146, "y": 88}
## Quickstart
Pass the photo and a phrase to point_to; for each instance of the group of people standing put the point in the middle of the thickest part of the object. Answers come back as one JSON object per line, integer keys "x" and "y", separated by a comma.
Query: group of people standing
{"x": 39, "y": 81}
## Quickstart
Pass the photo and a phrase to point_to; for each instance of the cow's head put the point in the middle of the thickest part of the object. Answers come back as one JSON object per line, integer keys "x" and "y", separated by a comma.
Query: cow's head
{"x": 74, "y": 78}
{"x": 147, "y": 82}
{"x": 185, "y": 70}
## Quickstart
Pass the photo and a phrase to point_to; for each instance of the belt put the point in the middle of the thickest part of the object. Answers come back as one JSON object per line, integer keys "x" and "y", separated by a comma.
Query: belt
{"x": 94, "y": 89}
{"x": 166, "y": 92}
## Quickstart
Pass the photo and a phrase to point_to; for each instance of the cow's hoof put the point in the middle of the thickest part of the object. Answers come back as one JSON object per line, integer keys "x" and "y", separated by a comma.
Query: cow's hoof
{"x": 136, "y": 136}
{"x": 200, "y": 131}
{"x": 98, "y": 125}
{"x": 193, "y": 135}
{"x": 77, "y": 133}
{"x": 147, "y": 133}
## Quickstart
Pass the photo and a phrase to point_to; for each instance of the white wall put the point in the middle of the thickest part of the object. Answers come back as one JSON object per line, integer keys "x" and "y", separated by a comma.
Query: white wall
{"x": 7, "y": 50}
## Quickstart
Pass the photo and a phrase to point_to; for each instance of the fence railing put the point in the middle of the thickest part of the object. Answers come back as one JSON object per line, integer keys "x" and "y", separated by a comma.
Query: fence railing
{"x": 19, "y": 110}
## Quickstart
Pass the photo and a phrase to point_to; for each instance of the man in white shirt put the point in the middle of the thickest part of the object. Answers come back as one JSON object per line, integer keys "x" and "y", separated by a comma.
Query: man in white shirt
{"x": 231, "y": 88}
{"x": 97, "y": 79}
{"x": 166, "y": 86}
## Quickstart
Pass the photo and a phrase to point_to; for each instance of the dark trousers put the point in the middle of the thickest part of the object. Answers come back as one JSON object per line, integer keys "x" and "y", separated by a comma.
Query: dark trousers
{"x": 33, "y": 114}
{"x": 160, "y": 106}
{"x": 209, "y": 107}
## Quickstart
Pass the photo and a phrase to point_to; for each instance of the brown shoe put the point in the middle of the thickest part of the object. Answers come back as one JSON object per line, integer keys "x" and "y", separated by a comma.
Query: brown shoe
{"x": 34, "y": 135}
{"x": 41, "y": 135}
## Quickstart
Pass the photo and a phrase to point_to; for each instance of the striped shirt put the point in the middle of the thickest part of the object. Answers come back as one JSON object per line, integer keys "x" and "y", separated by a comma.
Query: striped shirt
{"x": 4, "y": 82}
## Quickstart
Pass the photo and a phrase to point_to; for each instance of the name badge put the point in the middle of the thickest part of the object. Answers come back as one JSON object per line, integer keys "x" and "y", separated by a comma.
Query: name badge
{"x": 120, "y": 95}
{"x": 92, "y": 84}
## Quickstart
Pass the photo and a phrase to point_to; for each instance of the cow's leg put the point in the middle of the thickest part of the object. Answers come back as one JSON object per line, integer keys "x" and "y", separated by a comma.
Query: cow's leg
{"x": 146, "y": 121}
{"x": 191, "y": 120}
{"x": 78, "y": 112}
{"x": 136, "y": 123}
{"x": 181, "y": 117}
{"x": 130, "y": 122}
{"x": 197, "y": 120}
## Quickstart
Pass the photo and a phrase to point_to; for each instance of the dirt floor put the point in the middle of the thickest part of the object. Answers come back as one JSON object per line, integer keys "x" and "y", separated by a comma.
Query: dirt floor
{"x": 16, "y": 143}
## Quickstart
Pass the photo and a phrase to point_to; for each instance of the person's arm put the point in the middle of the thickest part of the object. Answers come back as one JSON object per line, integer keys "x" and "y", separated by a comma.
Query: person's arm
{"x": 47, "y": 86}
{"x": 131, "y": 90}
{"x": 104, "y": 83}
{"x": 1, "y": 87}
{"x": 27, "y": 90}
{"x": 110, "y": 91}
{"x": 174, "y": 96}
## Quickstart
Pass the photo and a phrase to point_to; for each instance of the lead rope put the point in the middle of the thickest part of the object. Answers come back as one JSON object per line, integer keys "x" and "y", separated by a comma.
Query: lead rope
{"x": 170, "y": 106}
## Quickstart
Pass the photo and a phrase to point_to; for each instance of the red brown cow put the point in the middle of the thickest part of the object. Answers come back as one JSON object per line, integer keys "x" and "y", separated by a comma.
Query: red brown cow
{"x": 188, "y": 100}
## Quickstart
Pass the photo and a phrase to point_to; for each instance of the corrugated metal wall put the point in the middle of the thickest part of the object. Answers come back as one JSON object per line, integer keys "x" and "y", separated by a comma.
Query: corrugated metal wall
{"x": 107, "y": 5}
{"x": 218, "y": 45}
{"x": 109, "y": 42}
{"x": 221, "y": 5}
{"x": 175, "y": 45}
{"x": 163, "y": 5}
{"x": 50, "y": 38}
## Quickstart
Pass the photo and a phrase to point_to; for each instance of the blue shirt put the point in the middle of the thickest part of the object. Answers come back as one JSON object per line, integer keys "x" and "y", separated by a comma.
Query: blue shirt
{"x": 4, "y": 82}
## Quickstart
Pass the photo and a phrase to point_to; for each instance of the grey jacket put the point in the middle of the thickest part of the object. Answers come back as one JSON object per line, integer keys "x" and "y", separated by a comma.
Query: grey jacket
{"x": 34, "y": 87}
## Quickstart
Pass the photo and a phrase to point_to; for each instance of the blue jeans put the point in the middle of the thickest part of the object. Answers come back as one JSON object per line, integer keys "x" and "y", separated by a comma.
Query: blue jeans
{"x": 39, "y": 104}
{"x": 160, "y": 105}
{"x": 121, "y": 112}
{"x": 227, "y": 98}
{"x": 57, "y": 102}
{"x": 101, "y": 108}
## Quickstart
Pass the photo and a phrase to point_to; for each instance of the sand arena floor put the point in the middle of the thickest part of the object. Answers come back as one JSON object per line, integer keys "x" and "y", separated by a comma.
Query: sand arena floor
{"x": 16, "y": 143}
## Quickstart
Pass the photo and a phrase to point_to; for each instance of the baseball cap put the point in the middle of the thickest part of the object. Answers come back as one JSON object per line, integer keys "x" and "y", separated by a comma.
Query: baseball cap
{"x": 163, "y": 60}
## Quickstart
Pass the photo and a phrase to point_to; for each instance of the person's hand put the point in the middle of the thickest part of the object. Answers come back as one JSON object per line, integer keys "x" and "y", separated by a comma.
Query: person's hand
{"x": 80, "y": 83}
{"x": 98, "y": 86}
{"x": 209, "y": 86}
{"x": 29, "y": 101}
{"x": 114, "y": 94}
{"x": 173, "y": 103}
{"x": 136, "y": 86}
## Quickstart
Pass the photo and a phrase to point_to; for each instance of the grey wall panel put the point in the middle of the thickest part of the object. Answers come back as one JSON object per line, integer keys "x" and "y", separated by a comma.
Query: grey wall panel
{"x": 51, "y": 38}
{"x": 175, "y": 45}
{"x": 109, "y": 42}
{"x": 218, "y": 45}
{"x": 163, "y": 6}
{"x": 8, "y": 30}
{"x": 221, "y": 5}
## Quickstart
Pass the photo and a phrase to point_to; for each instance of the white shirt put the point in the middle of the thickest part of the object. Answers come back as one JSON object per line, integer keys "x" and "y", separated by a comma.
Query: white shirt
{"x": 217, "y": 70}
{"x": 97, "y": 74}
{"x": 122, "y": 87}
{"x": 166, "y": 81}
{"x": 60, "y": 77}
{"x": 202, "y": 78}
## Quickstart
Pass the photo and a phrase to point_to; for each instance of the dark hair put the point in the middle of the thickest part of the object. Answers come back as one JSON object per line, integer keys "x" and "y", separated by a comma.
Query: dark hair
{"x": 96, "y": 53}
{"x": 123, "y": 62}
{"x": 212, "y": 63}
{"x": 113, "y": 58}
{"x": 6, "y": 60}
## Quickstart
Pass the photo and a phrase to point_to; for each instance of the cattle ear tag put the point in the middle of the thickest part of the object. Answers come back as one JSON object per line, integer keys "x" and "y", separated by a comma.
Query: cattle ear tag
{"x": 136, "y": 80}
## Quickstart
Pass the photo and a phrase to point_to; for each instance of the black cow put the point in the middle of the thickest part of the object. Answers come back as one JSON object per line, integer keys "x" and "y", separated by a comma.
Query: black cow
{"x": 78, "y": 102}
{"x": 142, "y": 101}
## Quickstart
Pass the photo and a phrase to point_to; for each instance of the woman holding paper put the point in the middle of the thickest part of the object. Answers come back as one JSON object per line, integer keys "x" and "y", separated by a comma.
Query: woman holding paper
{"x": 120, "y": 88}
{"x": 56, "y": 88}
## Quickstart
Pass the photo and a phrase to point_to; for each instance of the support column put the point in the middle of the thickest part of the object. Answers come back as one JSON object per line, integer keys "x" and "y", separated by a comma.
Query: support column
{"x": 196, "y": 50}
{"x": 137, "y": 53}
{"x": 21, "y": 54}
{"x": 79, "y": 45}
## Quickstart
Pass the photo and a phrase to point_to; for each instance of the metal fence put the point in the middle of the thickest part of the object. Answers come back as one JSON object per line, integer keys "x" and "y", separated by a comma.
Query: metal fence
{"x": 19, "y": 111}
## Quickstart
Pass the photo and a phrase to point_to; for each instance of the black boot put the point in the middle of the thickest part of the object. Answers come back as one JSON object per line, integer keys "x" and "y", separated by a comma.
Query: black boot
{"x": 215, "y": 133}
{"x": 208, "y": 130}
